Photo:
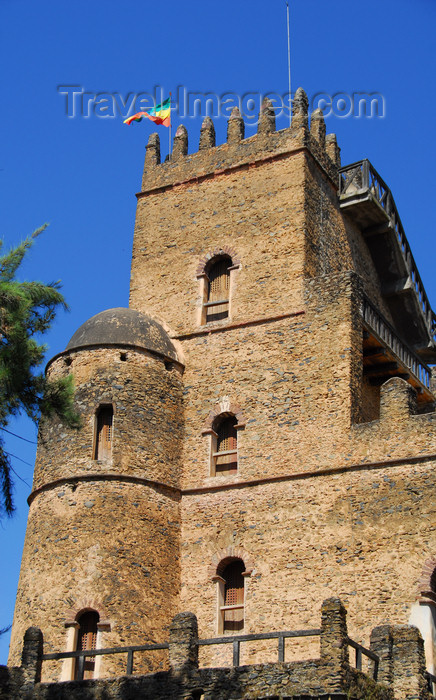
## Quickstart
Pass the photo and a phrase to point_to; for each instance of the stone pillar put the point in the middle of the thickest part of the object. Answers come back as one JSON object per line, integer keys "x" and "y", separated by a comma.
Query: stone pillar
{"x": 334, "y": 648}
{"x": 152, "y": 156}
{"x": 300, "y": 107}
{"x": 180, "y": 147}
{"x": 332, "y": 149}
{"x": 183, "y": 650}
{"x": 267, "y": 118}
{"x": 235, "y": 127}
{"x": 409, "y": 681}
{"x": 381, "y": 644}
{"x": 397, "y": 400}
{"x": 317, "y": 127}
{"x": 31, "y": 657}
{"x": 207, "y": 134}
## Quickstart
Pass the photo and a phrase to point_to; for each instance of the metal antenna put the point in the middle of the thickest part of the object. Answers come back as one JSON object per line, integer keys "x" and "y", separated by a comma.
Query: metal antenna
{"x": 289, "y": 62}
{"x": 170, "y": 132}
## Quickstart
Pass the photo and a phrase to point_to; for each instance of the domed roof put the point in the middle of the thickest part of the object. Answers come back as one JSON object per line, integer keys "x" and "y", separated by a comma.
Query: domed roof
{"x": 123, "y": 327}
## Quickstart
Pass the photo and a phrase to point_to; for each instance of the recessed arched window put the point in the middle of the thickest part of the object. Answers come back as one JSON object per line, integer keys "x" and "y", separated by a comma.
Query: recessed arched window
{"x": 218, "y": 290}
{"x": 87, "y": 639}
{"x": 225, "y": 445}
{"x": 423, "y": 613}
{"x": 104, "y": 432}
{"x": 231, "y": 596}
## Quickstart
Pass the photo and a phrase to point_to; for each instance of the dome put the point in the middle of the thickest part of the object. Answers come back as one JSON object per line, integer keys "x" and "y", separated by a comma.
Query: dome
{"x": 123, "y": 327}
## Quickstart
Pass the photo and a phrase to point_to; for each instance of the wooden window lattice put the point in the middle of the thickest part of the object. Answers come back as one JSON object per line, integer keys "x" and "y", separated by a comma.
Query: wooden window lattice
{"x": 227, "y": 441}
{"x": 103, "y": 442}
{"x": 219, "y": 290}
{"x": 87, "y": 639}
{"x": 233, "y": 620}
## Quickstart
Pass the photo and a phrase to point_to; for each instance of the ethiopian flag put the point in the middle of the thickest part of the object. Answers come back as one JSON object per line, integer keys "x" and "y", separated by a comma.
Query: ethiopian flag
{"x": 161, "y": 114}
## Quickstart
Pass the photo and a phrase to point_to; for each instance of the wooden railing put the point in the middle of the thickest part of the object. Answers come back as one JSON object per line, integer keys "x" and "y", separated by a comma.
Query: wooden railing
{"x": 377, "y": 323}
{"x": 234, "y": 640}
{"x": 362, "y": 176}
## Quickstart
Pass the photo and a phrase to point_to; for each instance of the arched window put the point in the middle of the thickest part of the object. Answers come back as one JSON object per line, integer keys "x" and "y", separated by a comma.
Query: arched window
{"x": 87, "y": 639}
{"x": 218, "y": 290}
{"x": 225, "y": 446}
{"x": 433, "y": 582}
{"x": 103, "y": 432}
{"x": 231, "y": 596}
{"x": 423, "y": 613}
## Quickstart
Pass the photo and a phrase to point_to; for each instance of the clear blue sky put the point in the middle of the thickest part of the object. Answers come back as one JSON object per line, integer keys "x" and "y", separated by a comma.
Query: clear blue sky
{"x": 81, "y": 174}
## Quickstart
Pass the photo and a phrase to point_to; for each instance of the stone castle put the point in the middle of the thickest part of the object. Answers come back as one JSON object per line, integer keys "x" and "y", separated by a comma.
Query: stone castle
{"x": 258, "y": 444}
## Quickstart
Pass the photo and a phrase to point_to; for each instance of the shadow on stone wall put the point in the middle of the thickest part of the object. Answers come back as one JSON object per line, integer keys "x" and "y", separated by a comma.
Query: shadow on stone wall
{"x": 401, "y": 670}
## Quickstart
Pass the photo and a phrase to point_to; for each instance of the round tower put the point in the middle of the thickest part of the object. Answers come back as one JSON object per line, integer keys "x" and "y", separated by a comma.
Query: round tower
{"x": 101, "y": 554}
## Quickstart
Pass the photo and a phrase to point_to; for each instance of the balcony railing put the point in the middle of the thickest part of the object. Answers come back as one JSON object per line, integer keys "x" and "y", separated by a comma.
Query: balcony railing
{"x": 377, "y": 323}
{"x": 361, "y": 177}
{"x": 234, "y": 640}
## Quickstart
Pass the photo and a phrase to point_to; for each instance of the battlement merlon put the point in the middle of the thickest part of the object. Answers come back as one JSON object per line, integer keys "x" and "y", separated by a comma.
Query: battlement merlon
{"x": 238, "y": 152}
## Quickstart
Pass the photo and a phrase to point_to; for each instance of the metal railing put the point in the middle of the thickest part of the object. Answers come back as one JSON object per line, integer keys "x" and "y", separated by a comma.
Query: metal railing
{"x": 234, "y": 640}
{"x": 280, "y": 636}
{"x": 363, "y": 651}
{"x": 377, "y": 323}
{"x": 91, "y": 653}
{"x": 363, "y": 176}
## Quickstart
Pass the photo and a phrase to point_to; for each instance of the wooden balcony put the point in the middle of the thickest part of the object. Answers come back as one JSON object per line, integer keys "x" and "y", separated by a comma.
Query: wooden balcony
{"x": 366, "y": 198}
{"x": 385, "y": 355}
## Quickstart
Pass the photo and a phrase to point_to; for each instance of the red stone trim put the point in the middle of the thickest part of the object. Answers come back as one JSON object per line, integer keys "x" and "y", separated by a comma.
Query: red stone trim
{"x": 116, "y": 346}
{"x": 209, "y": 431}
{"x": 224, "y": 408}
{"x": 217, "y": 253}
{"x": 225, "y": 556}
{"x": 426, "y": 583}
{"x": 84, "y": 605}
{"x": 104, "y": 476}
{"x": 231, "y": 169}
{"x": 239, "y": 324}
{"x": 299, "y": 476}
{"x": 104, "y": 626}
{"x": 177, "y": 493}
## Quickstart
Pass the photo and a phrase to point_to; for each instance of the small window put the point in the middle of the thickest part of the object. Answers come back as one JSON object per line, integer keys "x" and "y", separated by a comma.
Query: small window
{"x": 225, "y": 447}
{"x": 231, "y": 597}
{"x": 218, "y": 290}
{"x": 104, "y": 430}
{"x": 87, "y": 639}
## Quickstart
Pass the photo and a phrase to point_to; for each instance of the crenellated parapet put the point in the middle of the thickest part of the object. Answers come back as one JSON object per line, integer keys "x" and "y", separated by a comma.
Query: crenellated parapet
{"x": 240, "y": 152}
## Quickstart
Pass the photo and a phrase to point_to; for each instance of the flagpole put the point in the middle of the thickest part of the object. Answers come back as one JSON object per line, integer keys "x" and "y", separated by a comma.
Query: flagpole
{"x": 169, "y": 133}
{"x": 289, "y": 62}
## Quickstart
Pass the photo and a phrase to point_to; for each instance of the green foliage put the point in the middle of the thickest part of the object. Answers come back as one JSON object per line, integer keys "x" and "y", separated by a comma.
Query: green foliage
{"x": 27, "y": 309}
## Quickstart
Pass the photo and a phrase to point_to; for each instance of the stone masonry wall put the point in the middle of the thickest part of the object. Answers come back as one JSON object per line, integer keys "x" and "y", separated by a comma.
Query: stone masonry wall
{"x": 291, "y": 378}
{"x": 176, "y": 229}
{"x": 104, "y": 534}
{"x": 320, "y": 524}
{"x": 113, "y": 547}
{"x": 328, "y": 676}
{"x": 147, "y": 424}
{"x": 322, "y": 504}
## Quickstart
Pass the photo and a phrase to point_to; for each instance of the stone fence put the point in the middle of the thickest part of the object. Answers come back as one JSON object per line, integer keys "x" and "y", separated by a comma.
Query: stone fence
{"x": 399, "y": 648}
